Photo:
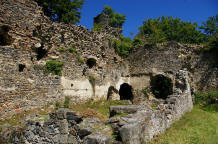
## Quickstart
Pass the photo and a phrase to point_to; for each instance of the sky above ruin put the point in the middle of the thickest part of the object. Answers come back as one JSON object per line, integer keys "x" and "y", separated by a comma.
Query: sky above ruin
{"x": 138, "y": 10}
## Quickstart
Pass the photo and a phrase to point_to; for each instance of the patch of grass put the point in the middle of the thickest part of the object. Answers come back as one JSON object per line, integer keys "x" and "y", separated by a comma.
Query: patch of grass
{"x": 17, "y": 119}
{"x": 207, "y": 101}
{"x": 61, "y": 49}
{"x": 98, "y": 109}
{"x": 154, "y": 106}
{"x": 195, "y": 127}
{"x": 146, "y": 91}
{"x": 80, "y": 60}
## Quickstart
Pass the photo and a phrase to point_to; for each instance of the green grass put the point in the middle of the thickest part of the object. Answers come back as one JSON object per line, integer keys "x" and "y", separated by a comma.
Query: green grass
{"x": 195, "y": 127}
{"x": 98, "y": 109}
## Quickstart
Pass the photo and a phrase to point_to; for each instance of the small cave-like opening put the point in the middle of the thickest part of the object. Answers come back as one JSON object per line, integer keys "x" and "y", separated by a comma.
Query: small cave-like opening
{"x": 161, "y": 86}
{"x": 41, "y": 53}
{"x": 91, "y": 62}
{"x": 21, "y": 67}
{"x": 5, "y": 39}
{"x": 126, "y": 92}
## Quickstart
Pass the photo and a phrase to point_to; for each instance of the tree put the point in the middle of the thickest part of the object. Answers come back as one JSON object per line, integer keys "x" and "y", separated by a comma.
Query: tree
{"x": 116, "y": 19}
{"x": 66, "y": 11}
{"x": 210, "y": 27}
{"x": 170, "y": 29}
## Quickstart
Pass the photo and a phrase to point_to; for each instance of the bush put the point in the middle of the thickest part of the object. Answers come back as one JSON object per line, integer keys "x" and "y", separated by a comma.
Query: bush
{"x": 66, "y": 102}
{"x": 123, "y": 46}
{"x": 80, "y": 60}
{"x": 207, "y": 100}
{"x": 71, "y": 49}
{"x": 54, "y": 67}
{"x": 57, "y": 105}
{"x": 116, "y": 19}
{"x": 137, "y": 42}
{"x": 97, "y": 27}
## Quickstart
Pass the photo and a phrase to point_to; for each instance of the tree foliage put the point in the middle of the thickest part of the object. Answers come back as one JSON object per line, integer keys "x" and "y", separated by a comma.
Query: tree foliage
{"x": 66, "y": 11}
{"x": 210, "y": 28}
{"x": 116, "y": 19}
{"x": 170, "y": 29}
{"x": 123, "y": 46}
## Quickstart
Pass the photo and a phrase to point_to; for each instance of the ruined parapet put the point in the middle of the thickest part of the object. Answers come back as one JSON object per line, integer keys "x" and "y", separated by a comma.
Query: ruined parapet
{"x": 172, "y": 56}
{"x": 102, "y": 24}
{"x": 29, "y": 39}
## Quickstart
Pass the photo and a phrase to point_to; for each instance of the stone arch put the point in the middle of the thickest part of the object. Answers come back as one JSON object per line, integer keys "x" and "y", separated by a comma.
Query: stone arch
{"x": 161, "y": 86}
{"x": 91, "y": 62}
{"x": 126, "y": 92}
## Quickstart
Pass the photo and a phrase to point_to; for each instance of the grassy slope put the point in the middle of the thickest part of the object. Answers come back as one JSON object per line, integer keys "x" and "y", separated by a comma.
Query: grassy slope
{"x": 195, "y": 127}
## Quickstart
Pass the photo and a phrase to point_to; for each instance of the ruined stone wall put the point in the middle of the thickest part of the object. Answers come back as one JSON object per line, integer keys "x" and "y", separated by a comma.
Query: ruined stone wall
{"x": 171, "y": 57}
{"x": 29, "y": 39}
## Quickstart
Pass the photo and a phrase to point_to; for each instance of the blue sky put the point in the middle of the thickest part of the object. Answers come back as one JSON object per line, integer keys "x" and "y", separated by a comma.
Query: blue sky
{"x": 138, "y": 10}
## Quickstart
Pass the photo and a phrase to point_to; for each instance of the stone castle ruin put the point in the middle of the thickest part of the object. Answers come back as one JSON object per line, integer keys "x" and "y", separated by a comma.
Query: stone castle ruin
{"x": 92, "y": 70}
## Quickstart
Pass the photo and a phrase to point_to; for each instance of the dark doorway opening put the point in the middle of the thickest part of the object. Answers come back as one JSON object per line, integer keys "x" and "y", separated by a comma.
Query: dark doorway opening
{"x": 161, "y": 86}
{"x": 91, "y": 62}
{"x": 21, "y": 67}
{"x": 125, "y": 92}
{"x": 41, "y": 53}
{"x": 5, "y": 39}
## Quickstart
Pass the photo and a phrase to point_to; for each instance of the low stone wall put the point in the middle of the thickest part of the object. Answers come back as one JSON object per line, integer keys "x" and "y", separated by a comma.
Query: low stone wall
{"x": 143, "y": 125}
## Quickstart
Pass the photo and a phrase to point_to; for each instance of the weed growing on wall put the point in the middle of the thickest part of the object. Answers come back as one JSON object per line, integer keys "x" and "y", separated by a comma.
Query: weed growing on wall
{"x": 54, "y": 67}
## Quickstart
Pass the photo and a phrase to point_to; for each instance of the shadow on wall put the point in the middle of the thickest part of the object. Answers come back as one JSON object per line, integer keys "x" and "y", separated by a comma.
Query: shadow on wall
{"x": 126, "y": 92}
{"x": 161, "y": 86}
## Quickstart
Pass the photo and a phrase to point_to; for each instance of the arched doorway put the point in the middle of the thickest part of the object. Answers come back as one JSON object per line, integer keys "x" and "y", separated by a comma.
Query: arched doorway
{"x": 125, "y": 92}
{"x": 161, "y": 86}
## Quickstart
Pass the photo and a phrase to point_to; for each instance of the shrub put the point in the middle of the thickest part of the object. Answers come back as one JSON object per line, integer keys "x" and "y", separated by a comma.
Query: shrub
{"x": 137, "y": 42}
{"x": 123, "y": 46}
{"x": 61, "y": 49}
{"x": 54, "y": 67}
{"x": 97, "y": 27}
{"x": 71, "y": 49}
{"x": 207, "y": 100}
{"x": 57, "y": 105}
{"x": 146, "y": 91}
{"x": 66, "y": 102}
{"x": 116, "y": 19}
{"x": 80, "y": 60}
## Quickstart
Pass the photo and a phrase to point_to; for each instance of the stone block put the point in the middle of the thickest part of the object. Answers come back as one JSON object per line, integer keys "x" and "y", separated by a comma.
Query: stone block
{"x": 123, "y": 109}
{"x": 97, "y": 139}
